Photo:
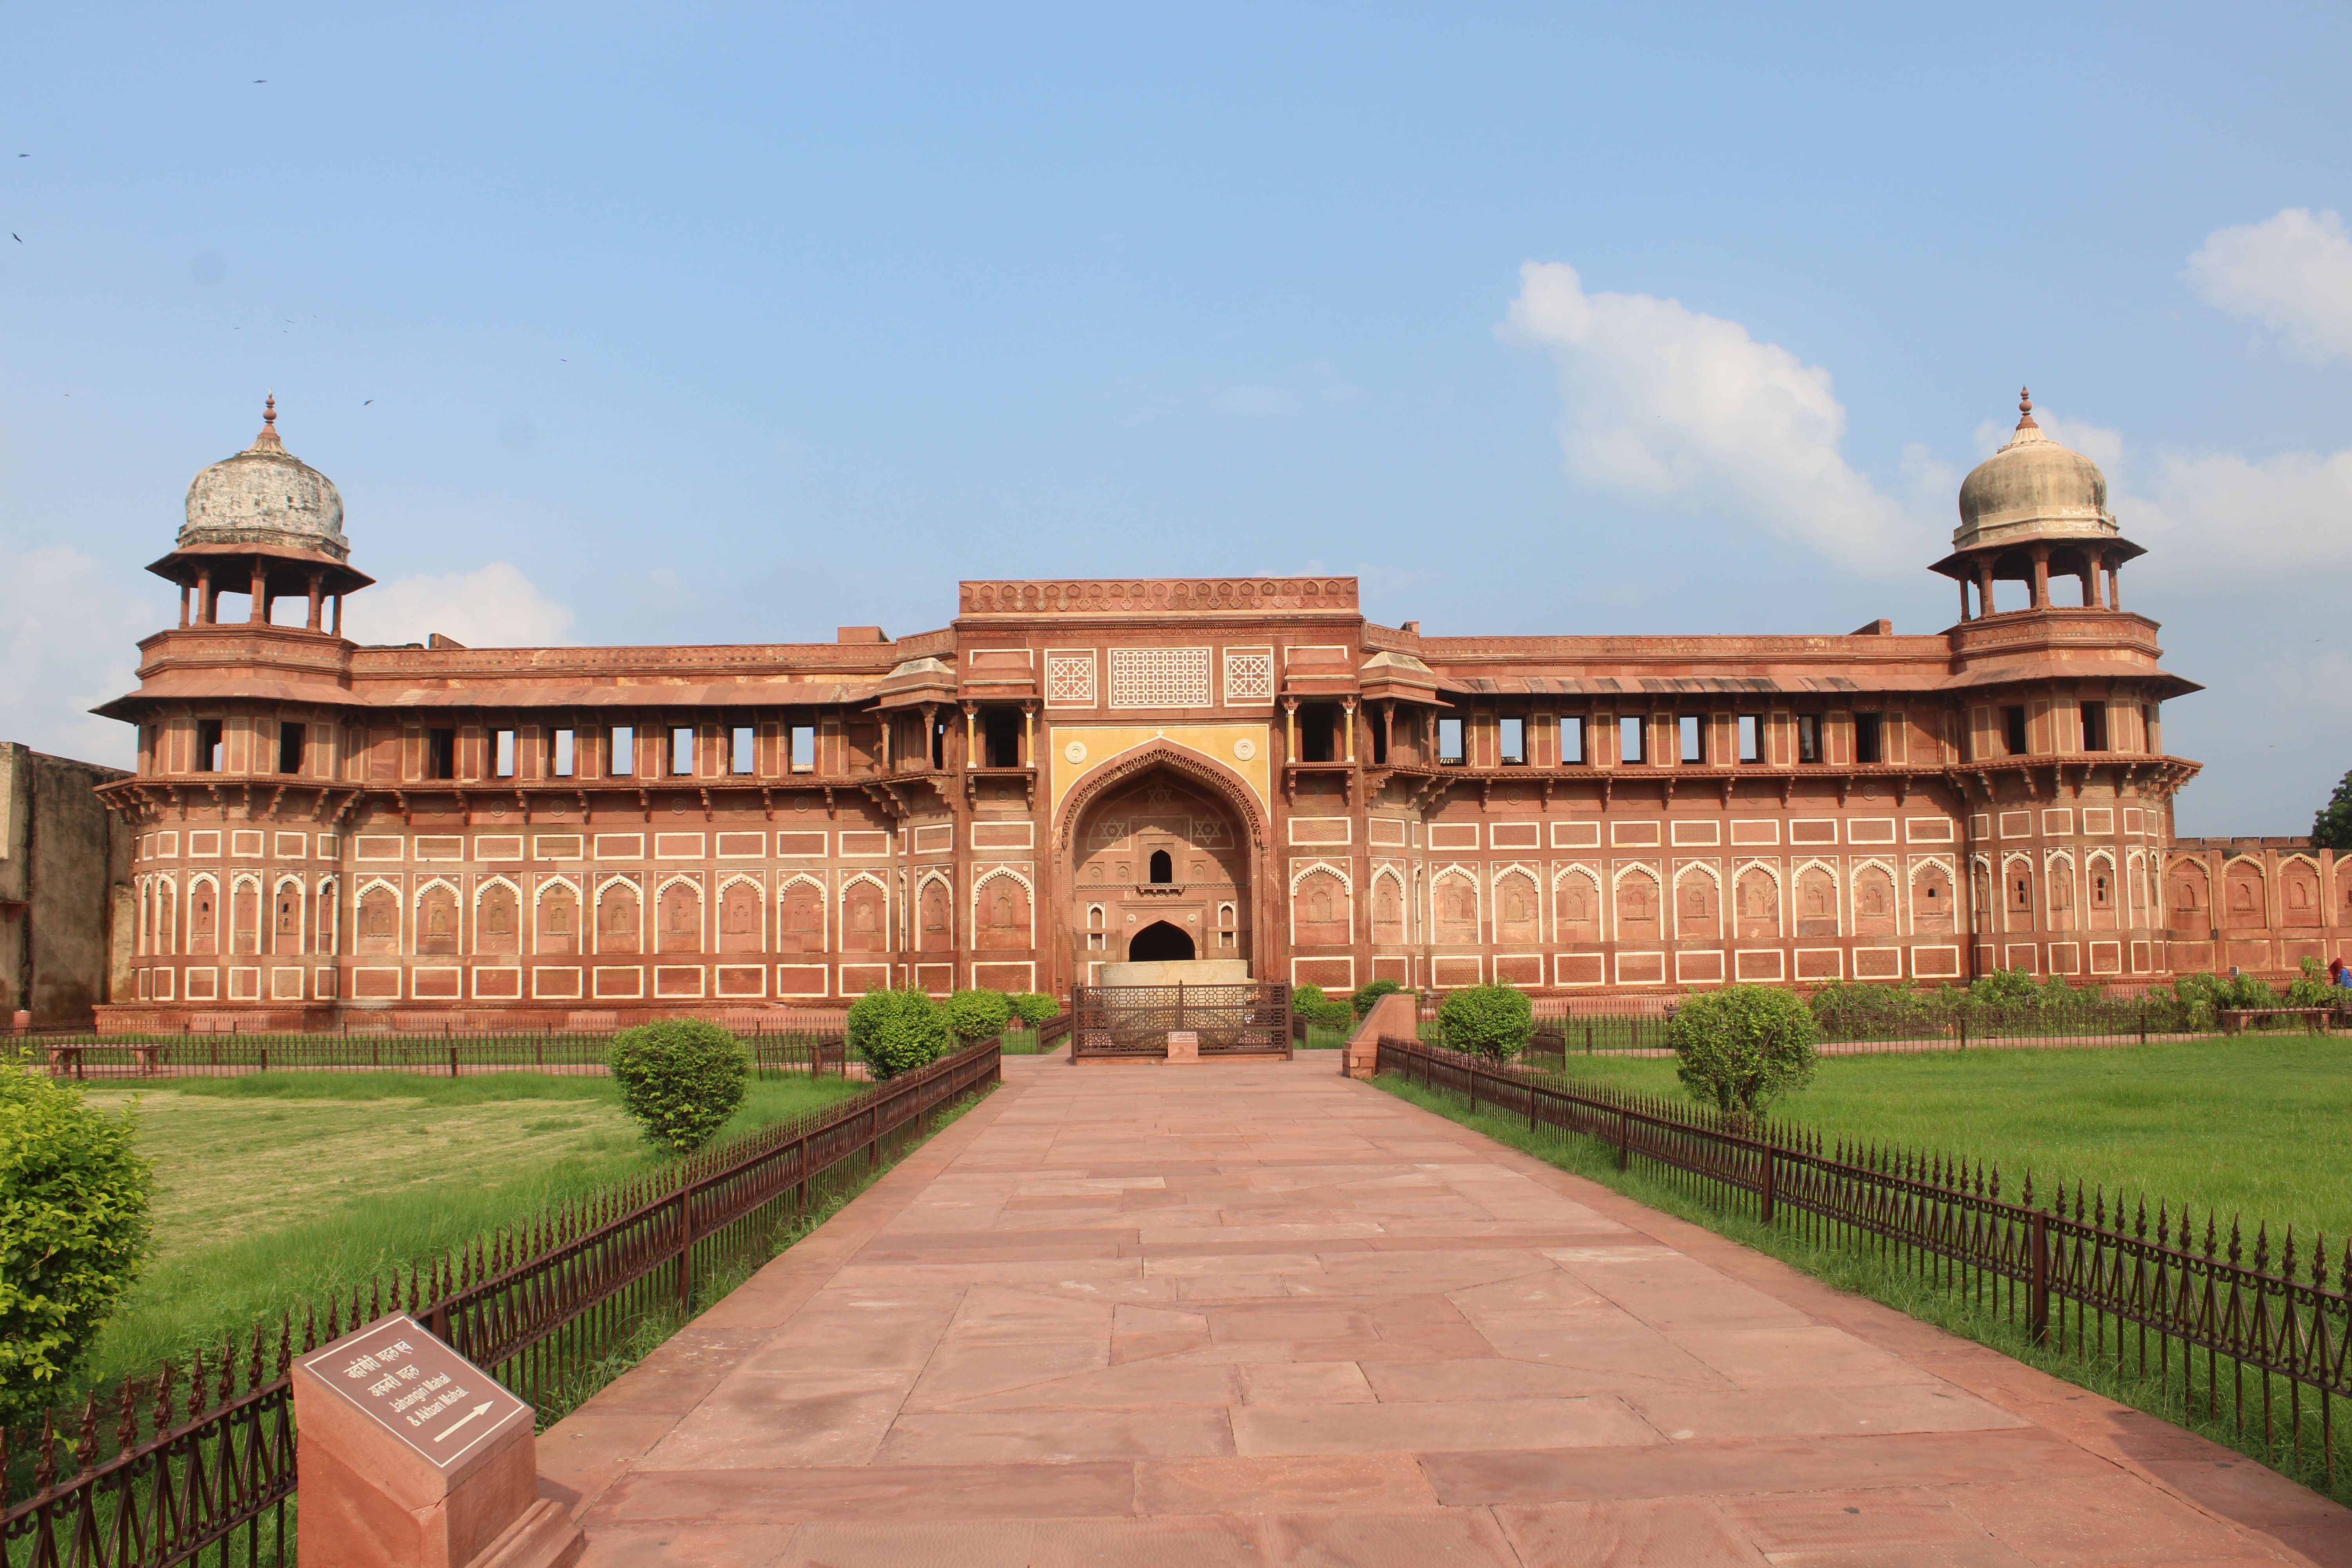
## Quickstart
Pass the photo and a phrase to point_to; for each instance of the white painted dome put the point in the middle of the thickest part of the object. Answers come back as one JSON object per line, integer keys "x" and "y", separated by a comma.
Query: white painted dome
{"x": 266, "y": 496}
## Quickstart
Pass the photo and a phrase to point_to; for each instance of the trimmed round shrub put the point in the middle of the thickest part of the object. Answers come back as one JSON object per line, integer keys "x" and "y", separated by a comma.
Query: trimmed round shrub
{"x": 1490, "y": 1021}
{"x": 898, "y": 1031}
{"x": 1034, "y": 1007}
{"x": 1743, "y": 1046}
{"x": 74, "y": 1229}
{"x": 681, "y": 1080}
{"x": 977, "y": 1015}
{"x": 1309, "y": 1003}
{"x": 1361, "y": 1002}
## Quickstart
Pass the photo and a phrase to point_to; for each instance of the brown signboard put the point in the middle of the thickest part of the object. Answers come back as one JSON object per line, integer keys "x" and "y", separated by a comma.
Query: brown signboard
{"x": 417, "y": 1388}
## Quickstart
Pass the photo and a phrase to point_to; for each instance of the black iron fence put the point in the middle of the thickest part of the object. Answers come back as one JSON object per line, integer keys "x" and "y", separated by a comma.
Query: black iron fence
{"x": 92, "y": 1057}
{"x": 201, "y": 1457}
{"x": 1111, "y": 1022}
{"x": 2153, "y": 1295}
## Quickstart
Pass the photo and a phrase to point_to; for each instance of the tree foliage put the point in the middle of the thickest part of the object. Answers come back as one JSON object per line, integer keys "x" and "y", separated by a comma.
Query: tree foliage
{"x": 1744, "y": 1047}
{"x": 1308, "y": 1002}
{"x": 1371, "y": 993}
{"x": 681, "y": 1080}
{"x": 898, "y": 1031}
{"x": 2331, "y": 826}
{"x": 979, "y": 1014}
{"x": 1034, "y": 1007}
{"x": 74, "y": 1229}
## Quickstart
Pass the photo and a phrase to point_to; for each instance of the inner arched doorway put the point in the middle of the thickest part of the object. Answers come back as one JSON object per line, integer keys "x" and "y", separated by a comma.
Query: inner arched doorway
{"x": 1159, "y": 870}
{"x": 1161, "y": 942}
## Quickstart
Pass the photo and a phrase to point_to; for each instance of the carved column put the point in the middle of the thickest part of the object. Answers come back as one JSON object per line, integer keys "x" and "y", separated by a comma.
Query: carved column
{"x": 317, "y": 580}
{"x": 1290, "y": 730}
{"x": 2041, "y": 576}
{"x": 971, "y": 736}
{"x": 260, "y": 615}
{"x": 1029, "y": 734}
{"x": 1348, "y": 706}
{"x": 204, "y": 604}
{"x": 338, "y": 615}
{"x": 1984, "y": 585}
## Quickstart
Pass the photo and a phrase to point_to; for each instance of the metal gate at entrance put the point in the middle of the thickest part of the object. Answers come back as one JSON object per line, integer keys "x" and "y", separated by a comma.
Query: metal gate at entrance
{"x": 1133, "y": 1022}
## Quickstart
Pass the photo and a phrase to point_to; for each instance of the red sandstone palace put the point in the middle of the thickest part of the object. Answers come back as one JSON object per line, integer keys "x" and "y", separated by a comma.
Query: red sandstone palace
{"x": 1076, "y": 773}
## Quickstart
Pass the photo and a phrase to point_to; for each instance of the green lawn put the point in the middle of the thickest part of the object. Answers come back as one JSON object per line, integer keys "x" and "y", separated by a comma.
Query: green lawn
{"x": 275, "y": 1188}
{"x": 2254, "y": 1124}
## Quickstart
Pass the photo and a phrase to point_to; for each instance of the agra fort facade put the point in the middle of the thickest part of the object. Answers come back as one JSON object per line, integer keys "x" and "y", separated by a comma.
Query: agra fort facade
{"x": 1073, "y": 772}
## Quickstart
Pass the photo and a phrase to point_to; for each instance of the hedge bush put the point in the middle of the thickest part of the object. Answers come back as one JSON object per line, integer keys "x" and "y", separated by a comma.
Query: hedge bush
{"x": 979, "y": 1014}
{"x": 1370, "y": 993}
{"x": 1308, "y": 1002}
{"x": 681, "y": 1080}
{"x": 898, "y": 1031}
{"x": 1034, "y": 1007}
{"x": 74, "y": 1229}
{"x": 1744, "y": 1047}
{"x": 1491, "y": 1021}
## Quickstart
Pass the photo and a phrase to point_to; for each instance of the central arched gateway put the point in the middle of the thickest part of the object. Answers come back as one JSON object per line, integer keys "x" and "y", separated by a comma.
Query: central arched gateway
{"x": 1158, "y": 854}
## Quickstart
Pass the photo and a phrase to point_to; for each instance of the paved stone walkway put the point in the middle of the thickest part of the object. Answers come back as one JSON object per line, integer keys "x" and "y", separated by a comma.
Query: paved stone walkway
{"x": 1259, "y": 1314}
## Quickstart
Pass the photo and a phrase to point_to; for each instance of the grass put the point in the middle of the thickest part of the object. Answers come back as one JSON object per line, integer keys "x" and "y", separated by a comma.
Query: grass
{"x": 2253, "y": 1125}
{"x": 274, "y": 1189}
{"x": 1864, "y": 1270}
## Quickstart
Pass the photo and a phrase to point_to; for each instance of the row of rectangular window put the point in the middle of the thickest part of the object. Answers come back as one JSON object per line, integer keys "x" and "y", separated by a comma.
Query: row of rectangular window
{"x": 441, "y": 751}
{"x": 1633, "y": 731}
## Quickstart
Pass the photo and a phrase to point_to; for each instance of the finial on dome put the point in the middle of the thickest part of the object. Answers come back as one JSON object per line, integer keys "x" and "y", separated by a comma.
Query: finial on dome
{"x": 2025, "y": 409}
{"x": 268, "y": 440}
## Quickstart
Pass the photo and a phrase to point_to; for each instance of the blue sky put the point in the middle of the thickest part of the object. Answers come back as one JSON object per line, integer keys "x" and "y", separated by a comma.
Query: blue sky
{"x": 713, "y": 324}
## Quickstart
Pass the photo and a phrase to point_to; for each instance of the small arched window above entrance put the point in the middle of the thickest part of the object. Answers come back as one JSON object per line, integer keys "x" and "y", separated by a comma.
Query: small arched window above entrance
{"x": 1163, "y": 869}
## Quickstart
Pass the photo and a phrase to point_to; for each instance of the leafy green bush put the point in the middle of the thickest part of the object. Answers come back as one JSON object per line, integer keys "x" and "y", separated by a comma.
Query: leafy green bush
{"x": 978, "y": 1014}
{"x": 681, "y": 1080}
{"x": 1743, "y": 1046}
{"x": 1491, "y": 1021}
{"x": 898, "y": 1031}
{"x": 2310, "y": 989}
{"x": 1308, "y": 1002}
{"x": 2005, "y": 988}
{"x": 74, "y": 1229}
{"x": 1366, "y": 994}
{"x": 2245, "y": 990}
{"x": 1034, "y": 1007}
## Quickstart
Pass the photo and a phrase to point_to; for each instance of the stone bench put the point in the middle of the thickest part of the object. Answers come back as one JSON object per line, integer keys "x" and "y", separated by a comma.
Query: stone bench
{"x": 2314, "y": 1019}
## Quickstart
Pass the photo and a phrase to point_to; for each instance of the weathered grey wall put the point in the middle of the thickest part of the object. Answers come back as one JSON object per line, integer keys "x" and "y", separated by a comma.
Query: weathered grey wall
{"x": 65, "y": 879}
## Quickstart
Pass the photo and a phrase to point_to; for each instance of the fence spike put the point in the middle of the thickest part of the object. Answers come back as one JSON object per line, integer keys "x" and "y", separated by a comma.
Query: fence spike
{"x": 2286, "y": 1258}
{"x": 227, "y": 1371}
{"x": 86, "y": 1439}
{"x": 2237, "y": 1250}
{"x": 253, "y": 1367}
{"x": 126, "y": 1427}
{"x": 375, "y": 1297}
{"x": 45, "y": 1467}
{"x": 334, "y": 1316}
{"x": 164, "y": 1382}
{"x": 2262, "y": 1248}
{"x": 196, "y": 1383}
{"x": 285, "y": 1343}
{"x": 309, "y": 1326}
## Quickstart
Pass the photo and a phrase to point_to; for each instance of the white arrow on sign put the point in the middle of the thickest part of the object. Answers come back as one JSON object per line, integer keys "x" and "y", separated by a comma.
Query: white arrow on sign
{"x": 444, "y": 1435}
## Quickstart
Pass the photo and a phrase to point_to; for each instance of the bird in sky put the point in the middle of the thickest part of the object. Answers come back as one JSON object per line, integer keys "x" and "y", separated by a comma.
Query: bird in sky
{"x": 259, "y": 81}
{"x": 364, "y": 404}
{"x": 15, "y": 236}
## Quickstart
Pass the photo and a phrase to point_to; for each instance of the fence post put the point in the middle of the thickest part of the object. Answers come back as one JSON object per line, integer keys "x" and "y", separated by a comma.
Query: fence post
{"x": 2037, "y": 1288}
{"x": 2142, "y": 1021}
{"x": 1764, "y": 1210}
{"x": 686, "y": 1250}
{"x": 1964, "y": 1024}
{"x": 1474, "y": 1089}
{"x": 452, "y": 1061}
{"x": 1624, "y": 1138}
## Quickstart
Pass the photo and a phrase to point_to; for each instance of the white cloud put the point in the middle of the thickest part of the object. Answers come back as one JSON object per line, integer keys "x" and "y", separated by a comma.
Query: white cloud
{"x": 70, "y": 642}
{"x": 2292, "y": 272}
{"x": 491, "y": 606}
{"x": 1666, "y": 401}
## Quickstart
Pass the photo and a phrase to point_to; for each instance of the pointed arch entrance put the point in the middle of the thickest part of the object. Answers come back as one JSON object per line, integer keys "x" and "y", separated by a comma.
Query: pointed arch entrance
{"x": 1164, "y": 839}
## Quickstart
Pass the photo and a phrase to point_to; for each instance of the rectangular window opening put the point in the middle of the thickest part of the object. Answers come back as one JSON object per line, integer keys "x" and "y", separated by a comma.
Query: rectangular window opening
{"x": 441, "y": 753}
{"x": 2094, "y": 726}
{"x": 502, "y": 753}
{"x": 2013, "y": 727}
{"x": 1694, "y": 729}
{"x": 1315, "y": 730}
{"x": 1449, "y": 744}
{"x": 560, "y": 762}
{"x": 208, "y": 746}
{"x": 291, "y": 737}
{"x": 1751, "y": 737}
{"x": 742, "y": 750}
{"x": 1571, "y": 740}
{"x": 1380, "y": 743}
{"x": 1513, "y": 742}
{"x": 938, "y": 743}
{"x": 624, "y": 750}
{"x": 1867, "y": 734}
{"x": 1001, "y": 730}
{"x": 1631, "y": 746}
{"x": 803, "y": 748}
{"x": 1809, "y": 737}
{"x": 681, "y": 751}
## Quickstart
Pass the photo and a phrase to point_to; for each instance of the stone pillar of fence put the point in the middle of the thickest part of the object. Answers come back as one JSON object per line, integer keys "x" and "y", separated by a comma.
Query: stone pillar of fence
{"x": 1398, "y": 1014}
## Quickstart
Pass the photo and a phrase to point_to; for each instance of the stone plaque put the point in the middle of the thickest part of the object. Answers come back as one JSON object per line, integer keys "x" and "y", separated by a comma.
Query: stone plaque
{"x": 417, "y": 1388}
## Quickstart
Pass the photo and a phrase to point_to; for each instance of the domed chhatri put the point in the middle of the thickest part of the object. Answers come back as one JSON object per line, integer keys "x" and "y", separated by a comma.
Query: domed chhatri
{"x": 2033, "y": 486}
{"x": 266, "y": 496}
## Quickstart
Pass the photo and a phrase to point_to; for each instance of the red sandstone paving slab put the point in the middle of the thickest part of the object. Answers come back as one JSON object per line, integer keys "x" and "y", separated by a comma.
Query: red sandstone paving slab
{"x": 1433, "y": 1341}
{"x": 817, "y": 1416}
{"x": 1754, "y": 1465}
{"x": 1819, "y": 1413}
{"x": 874, "y": 1338}
{"x": 1219, "y": 1233}
{"x": 1817, "y": 1356}
{"x": 1437, "y": 1428}
{"x": 1181, "y": 1544}
{"x": 1055, "y": 1437}
{"x": 1097, "y": 1278}
{"x": 589, "y": 1450}
{"x": 1186, "y": 1264}
{"x": 1151, "y": 1347}
{"x": 2103, "y": 1522}
{"x": 1157, "y": 1383}
{"x": 971, "y": 1369}
{"x": 1027, "y": 1317}
{"x": 1497, "y": 1377}
{"x": 1352, "y": 1539}
{"x": 1675, "y": 1532}
{"x": 680, "y": 1543}
{"x": 981, "y": 1251}
{"x": 1287, "y": 1320}
{"x": 1387, "y": 1482}
{"x": 1305, "y": 1382}
{"x": 961, "y": 1492}
{"x": 1841, "y": 1521}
